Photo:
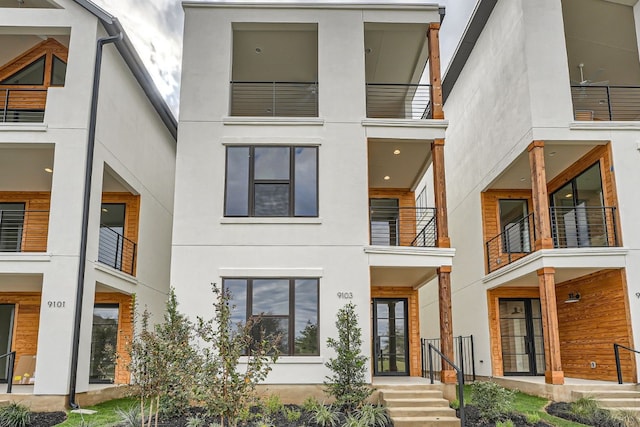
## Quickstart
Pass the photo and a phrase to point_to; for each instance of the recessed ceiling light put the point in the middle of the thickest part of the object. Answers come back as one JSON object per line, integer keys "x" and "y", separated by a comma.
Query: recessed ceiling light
{"x": 396, "y": 151}
{"x": 105, "y": 210}
{"x": 551, "y": 154}
{"x": 368, "y": 50}
{"x": 568, "y": 195}
{"x": 522, "y": 179}
{"x": 49, "y": 170}
{"x": 258, "y": 50}
{"x": 387, "y": 177}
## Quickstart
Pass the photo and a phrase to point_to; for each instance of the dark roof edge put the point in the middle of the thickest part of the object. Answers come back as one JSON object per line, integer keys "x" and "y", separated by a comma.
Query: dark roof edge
{"x": 133, "y": 61}
{"x": 472, "y": 32}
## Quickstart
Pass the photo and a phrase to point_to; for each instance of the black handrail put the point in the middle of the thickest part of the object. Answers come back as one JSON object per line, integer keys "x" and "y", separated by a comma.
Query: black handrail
{"x": 459, "y": 374}
{"x": 11, "y": 358}
{"x": 617, "y": 353}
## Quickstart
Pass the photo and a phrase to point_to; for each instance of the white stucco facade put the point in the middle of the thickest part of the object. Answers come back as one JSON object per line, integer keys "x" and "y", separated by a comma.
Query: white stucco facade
{"x": 332, "y": 246}
{"x": 134, "y": 154}
{"x": 515, "y": 88}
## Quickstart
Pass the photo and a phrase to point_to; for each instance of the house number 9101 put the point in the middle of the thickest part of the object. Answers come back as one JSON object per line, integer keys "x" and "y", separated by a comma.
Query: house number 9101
{"x": 345, "y": 295}
{"x": 55, "y": 304}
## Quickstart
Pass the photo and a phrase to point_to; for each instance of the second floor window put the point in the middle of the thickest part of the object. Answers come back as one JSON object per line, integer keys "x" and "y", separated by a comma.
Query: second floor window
{"x": 271, "y": 181}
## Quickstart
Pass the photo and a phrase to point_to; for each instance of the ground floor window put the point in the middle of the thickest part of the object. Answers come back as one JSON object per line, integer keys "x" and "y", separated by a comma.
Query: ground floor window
{"x": 6, "y": 333}
{"x": 288, "y": 308}
{"x": 104, "y": 341}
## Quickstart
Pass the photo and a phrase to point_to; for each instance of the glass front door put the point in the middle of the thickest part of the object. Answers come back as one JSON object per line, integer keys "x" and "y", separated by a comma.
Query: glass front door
{"x": 104, "y": 341}
{"x": 390, "y": 340}
{"x": 384, "y": 217}
{"x": 521, "y": 336}
{"x": 6, "y": 333}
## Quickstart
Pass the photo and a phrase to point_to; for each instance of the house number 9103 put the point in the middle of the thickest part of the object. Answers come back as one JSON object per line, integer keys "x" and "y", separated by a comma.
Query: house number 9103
{"x": 345, "y": 295}
{"x": 55, "y": 304}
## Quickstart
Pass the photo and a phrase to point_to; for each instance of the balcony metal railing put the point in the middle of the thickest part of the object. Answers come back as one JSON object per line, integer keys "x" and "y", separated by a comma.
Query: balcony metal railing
{"x": 571, "y": 227}
{"x": 515, "y": 242}
{"x": 22, "y": 105}
{"x": 584, "y": 226}
{"x": 116, "y": 251}
{"x": 274, "y": 99}
{"x": 398, "y": 101}
{"x": 394, "y": 226}
{"x": 23, "y": 231}
{"x": 609, "y": 103}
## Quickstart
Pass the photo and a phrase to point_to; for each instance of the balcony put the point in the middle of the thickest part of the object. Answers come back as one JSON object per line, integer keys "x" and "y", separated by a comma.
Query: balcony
{"x": 398, "y": 101}
{"x": 606, "y": 103}
{"x": 402, "y": 226}
{"x": 571, "y": 227}
{"x": 274, "y": 99}
{"x": 22, "y": 105}
{"x": 116, "y": 251}
{"x": 23, "y": 231}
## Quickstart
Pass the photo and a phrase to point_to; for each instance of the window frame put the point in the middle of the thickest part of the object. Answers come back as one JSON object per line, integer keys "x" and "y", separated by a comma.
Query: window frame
{"x": 291, "y": 308}
{"x": 252, "y": 181}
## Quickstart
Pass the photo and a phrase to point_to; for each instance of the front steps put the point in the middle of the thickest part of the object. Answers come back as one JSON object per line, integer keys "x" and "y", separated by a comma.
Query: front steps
{"x": 614, "y": 400}
{"x": 417, "y": 406}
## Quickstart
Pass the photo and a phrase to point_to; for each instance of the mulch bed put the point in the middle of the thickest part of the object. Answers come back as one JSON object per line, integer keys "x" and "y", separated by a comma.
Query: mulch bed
{"x": 47, "y": 419}
{"x": 473, "y": 419}
{"x": 600, "y": 419}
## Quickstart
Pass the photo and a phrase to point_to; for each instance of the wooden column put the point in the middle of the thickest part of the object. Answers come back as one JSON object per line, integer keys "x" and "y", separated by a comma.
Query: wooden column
{"x": 433, "y": 36}
{"x": 553, "y": 373}
{"x": 448, "y": 374}
{"x": 539, "y": 196}
{"x": 440, "y": 194}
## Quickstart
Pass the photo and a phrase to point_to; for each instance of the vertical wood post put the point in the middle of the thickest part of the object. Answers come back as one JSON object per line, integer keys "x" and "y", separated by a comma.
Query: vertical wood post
{"x": 540, "y": 197}
{"x": 440, "y": 194}
{"x": 448, "y": 374}
{"x": 553, "y": 373}
{"x": 433, "y": 36}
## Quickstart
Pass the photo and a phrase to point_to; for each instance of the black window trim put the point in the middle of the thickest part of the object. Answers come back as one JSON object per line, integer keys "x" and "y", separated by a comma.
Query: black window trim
{"x": 292, "y": 306}
{"x": 252, "y": 181}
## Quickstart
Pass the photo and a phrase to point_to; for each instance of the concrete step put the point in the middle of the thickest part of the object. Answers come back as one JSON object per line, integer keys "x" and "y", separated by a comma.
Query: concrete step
{"x": 619, "y": 403}
{"x": 423, "y": 411}
{"x": 4, "y": 403}
{"x": 412, "y": 394}
{"x": 607, "y": 394}
{"x": 415, "y": 402}
{"x": 426, "y": 421}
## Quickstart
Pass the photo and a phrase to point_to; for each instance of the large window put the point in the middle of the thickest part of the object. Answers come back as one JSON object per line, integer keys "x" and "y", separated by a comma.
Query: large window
{"x": 271, "y": 181}
{"x": 515, "y": 225}
{"x": 104, "y": 342}
{"x": 288, "y": 308}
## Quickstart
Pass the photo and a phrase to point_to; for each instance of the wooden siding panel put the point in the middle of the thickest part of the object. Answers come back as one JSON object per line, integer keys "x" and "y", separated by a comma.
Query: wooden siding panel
{"x": 589, "y": 327}
{"x": 415, "y": 368}
{"x": 36, "y": 222}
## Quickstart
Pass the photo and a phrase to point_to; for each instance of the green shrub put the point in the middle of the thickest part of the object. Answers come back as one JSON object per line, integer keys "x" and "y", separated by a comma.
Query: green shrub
{"x": 310, "y": 404}
{"x": 627, "y": 418}
{"x": 129, "y": 417}
{"x": 532, "y": 417}
{"x": 273, "y": 405}
{"x": 326, "y": 416}
{"x": 585, "y": 407}
{"x": 15, "y": 415}
{"x": 454, "y": 404}
{"x": 196, "y": 421}
{"x": 492, "y": 400}
{"x": 354, "y": 421}
{"x": 373, "y": 415}
{"x": 292, "y": 414}
{"x": 507, "y": 423}
{"x": 347, "y": 384}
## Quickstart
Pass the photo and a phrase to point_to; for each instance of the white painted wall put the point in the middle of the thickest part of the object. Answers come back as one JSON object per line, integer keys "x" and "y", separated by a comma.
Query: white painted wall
{"x": 514, "y": 89}
{"x": 207, "y": 246}
{"x": 135, "y": 144}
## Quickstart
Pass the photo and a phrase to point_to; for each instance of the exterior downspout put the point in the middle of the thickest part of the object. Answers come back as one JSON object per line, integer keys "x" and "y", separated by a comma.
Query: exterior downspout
{"x": 73, "y": 375}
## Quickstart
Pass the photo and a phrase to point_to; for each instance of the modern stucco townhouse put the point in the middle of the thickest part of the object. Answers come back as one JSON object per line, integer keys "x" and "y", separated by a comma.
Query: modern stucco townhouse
{"x": 47, "y": 58}
{"x": 543, "y": 167}
{"x": 304, "y": 131}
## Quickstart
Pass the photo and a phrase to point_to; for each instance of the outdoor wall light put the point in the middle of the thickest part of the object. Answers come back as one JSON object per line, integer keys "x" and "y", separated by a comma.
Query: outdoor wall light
{"x": 573, "y": 297}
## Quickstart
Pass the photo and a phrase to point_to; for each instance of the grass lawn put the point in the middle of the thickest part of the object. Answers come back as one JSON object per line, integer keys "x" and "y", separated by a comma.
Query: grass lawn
{"x": 106, "y": 415}
{"x": 528, "y": 404}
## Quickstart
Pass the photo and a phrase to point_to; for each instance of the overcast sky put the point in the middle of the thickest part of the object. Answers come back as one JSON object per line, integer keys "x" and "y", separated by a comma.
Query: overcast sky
{"x": 155, "y": 28}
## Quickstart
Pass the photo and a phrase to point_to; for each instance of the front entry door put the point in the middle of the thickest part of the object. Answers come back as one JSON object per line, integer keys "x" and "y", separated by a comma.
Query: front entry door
{"x": 390, "y": 339}
{"x": 6, "y": 333}
{"x": 521, "y": 336}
